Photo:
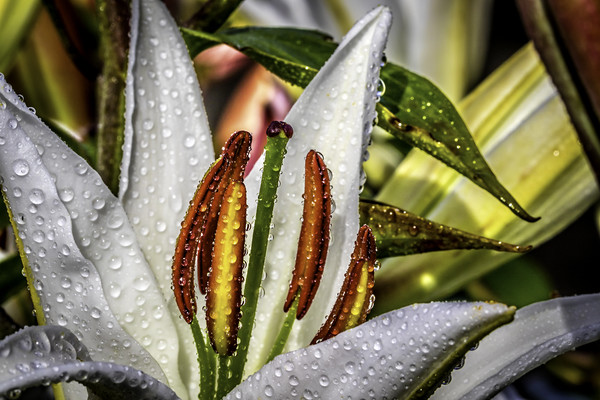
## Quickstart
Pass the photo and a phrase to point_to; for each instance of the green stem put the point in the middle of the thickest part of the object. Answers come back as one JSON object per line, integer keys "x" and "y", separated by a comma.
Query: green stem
{"x": 284, "y": 332}
{"x": 114, "y": 18}
{"x": 274, "y": 153}
{"x": 206, "y": 361}
{"x": 223, "y": 384}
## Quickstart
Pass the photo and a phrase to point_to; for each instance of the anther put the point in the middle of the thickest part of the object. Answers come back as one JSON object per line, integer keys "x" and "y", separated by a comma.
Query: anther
{"x": 355, "y": 298}
{"x": 314, "y": 235}
{"x": 224, "y": 294}
{"x": 196, "y": 238}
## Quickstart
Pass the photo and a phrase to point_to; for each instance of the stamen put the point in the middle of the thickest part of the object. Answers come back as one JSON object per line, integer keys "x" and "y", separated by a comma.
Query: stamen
{"x": 355, "y": 298}
{"x": 196, "y": 238}
{"x": 314, "y": 235}
{"x": 223, "y": 298}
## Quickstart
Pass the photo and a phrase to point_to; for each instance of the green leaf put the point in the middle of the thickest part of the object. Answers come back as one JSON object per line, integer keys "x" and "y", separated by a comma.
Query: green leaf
{"x": 398, "y": 233}
{"x": 411, "y": 107}
{"x": 295, "y": 55}
{"x": 417, "y": 112}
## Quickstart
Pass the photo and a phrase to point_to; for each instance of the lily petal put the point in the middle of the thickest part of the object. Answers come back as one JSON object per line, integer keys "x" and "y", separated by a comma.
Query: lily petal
{"x": 334, "y": 116}
{"x": 539, "y": 332}
{"x": 392, "y": 356}
{"x": 168, "y": 145}
{"x": 79, "y": 246}
{"x": 41, "y": 355}
{"x": 167, "y": 148}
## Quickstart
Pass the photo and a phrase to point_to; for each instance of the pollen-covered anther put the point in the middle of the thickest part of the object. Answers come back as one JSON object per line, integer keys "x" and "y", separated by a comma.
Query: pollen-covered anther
{"x": 224, "y": 294}
{"x": 355, "y": 298}
{"x": 314, "y": 235}
{"x": 194, "y": 245}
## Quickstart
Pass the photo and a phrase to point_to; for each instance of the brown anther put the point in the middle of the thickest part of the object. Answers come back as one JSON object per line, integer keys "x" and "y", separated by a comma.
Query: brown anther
{"x": 354, "y": 300}
{"x": 314, "y": 235}
{"x": 276, "y": 127}
{"x": 224, "y": 294}
{"x": 196, "y": 238}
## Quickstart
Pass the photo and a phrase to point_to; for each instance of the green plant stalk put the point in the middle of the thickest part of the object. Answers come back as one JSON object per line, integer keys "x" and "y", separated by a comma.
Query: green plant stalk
{"x": 206, "y": 362}
{"x": 223, "y": 377}
{"x": 274, "y": 153}
{"x": 114, "y": 41}
{"x": 284, "y": 332}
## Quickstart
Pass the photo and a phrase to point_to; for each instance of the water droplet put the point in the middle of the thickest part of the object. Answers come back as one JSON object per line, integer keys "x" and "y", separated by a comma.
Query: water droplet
{"x": 141, "y": 283}
{"x": 189, "y": 141}
{"x": 115, "y": 262}
{"x": 21, "y": 167}
{"x": 161, "y": 226}
{"x": 114, "y": 290}
{"x": 349, "y": 367}
{"x": 81, "y": 168}
{"x": 95, "y": 313}
{"x": 36, "y": 196}
{"x": 66, "y": 195}
{"x": 98, "y": 203}
{"x": 324, "y": 381}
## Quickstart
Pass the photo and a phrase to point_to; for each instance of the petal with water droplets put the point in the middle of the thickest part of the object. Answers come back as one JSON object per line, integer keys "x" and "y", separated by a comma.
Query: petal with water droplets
{"x": 168, "y": 146}
{"x": 83, "y": 262}
{"x": 395, "y": 355}
{"x": 334, "y": 116}
{"x": 42, "y": 355}
{"x": 539, "y": 333}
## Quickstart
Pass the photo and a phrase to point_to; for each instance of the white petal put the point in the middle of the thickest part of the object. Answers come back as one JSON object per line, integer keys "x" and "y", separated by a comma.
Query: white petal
{"x": 539, "y": 333}
{"x": 334, "y": 115}
{"x": 80, "y": 246}
{"x": 390, "y": 356}
{"x": 168, "y": 146}
{"x": 40, "y": 355}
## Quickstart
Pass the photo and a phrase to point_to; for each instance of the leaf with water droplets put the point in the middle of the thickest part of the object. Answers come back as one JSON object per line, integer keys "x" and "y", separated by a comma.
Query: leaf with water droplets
{"x": 83, "y": 265}
{"x": 43, "y": 355}
{"x": 539, "y": 333}
{"x": 521, "y": 125}
{"x": 340, "y": 131}
{"x": 401, "y": 233}
{"x": 429, "y": 120}
{"x": 406, "y": 354}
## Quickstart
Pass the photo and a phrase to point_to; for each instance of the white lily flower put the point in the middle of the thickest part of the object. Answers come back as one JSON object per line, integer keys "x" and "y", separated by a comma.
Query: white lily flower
{"x": 99, "y": 267}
